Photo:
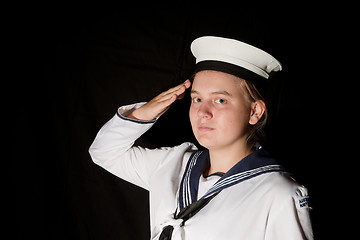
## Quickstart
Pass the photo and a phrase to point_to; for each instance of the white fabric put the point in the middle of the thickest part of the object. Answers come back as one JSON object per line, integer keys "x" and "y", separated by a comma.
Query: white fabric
{"x": 270, "y": 206}
{"x": 234, "y": 52}
{"x": 206, "y": 183}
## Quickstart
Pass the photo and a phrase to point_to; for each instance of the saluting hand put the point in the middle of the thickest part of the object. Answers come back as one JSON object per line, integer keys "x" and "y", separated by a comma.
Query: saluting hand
{"x": 160, "y": 104}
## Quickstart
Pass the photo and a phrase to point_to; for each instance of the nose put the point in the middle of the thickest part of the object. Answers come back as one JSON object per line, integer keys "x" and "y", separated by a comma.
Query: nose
{"x": 204, "y": 111}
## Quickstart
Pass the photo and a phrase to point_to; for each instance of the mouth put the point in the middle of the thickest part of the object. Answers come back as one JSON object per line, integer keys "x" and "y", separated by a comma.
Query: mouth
{"x": 205, "y": 129}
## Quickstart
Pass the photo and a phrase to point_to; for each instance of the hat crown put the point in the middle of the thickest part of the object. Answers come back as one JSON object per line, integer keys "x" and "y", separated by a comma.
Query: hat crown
{"x": 234, "y": 52}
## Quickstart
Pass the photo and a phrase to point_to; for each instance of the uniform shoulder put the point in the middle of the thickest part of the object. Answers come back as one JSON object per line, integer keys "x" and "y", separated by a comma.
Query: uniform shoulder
{"x": 284, "y": 186}
{"x": 288, "y": 206}
{"x": 188, "y": 146}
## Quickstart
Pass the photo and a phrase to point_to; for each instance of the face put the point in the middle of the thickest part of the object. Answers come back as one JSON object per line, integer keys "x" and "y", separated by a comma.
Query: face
{"x": 220, "y": 110}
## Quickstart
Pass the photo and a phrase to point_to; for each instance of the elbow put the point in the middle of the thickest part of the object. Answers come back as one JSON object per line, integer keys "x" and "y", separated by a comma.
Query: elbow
{"x": 93, "y": 155}
{"x": 99, "y": 156}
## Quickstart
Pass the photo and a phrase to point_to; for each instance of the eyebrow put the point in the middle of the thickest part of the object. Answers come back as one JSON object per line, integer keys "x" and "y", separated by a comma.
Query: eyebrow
{"x": 222, "y": 92}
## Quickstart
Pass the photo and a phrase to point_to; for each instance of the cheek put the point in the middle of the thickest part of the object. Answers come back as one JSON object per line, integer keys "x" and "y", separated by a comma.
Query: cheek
{"x": 192, "y": 114}
{"x": 234, "y": 121}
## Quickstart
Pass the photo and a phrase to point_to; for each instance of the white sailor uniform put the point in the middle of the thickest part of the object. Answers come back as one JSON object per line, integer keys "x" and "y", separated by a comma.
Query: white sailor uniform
{"x": 255, "y": 199}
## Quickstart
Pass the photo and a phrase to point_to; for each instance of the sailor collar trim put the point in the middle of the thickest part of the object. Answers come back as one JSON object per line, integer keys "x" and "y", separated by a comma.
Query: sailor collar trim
{"x": 255, "y": 164}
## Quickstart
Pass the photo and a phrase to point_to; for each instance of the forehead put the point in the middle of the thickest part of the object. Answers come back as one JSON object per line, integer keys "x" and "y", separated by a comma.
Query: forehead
{"x": 214, "y": 81}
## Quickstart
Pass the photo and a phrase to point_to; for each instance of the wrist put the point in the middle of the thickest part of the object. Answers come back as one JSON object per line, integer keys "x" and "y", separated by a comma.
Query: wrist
{"x": 132, "y": 116}
{"x": 127, "y": 113}
{"x": 140, "y": 115}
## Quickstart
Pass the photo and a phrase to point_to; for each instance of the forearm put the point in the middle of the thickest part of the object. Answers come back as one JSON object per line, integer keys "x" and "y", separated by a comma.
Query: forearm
{"x": 112, "y": 148}
{"x": 119, "y": 133}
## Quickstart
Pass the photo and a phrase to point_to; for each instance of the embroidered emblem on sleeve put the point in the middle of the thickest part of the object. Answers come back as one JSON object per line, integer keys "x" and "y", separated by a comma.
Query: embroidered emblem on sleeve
{"x": 303, "y": 202}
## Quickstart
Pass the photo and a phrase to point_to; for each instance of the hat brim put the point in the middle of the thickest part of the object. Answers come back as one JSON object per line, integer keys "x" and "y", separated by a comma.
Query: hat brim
{"x": 235, "y": 70}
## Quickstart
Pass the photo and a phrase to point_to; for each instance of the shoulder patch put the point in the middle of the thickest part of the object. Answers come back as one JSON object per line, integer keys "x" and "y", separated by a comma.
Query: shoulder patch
{"x": 303, "y": 202}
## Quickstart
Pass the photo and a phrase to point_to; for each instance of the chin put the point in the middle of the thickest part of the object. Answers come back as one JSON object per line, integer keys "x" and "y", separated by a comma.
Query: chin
{"x": 206, "y": 142}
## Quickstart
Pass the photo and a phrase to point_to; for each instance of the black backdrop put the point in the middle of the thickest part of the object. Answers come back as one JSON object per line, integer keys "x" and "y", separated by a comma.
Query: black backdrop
{"x": 81, "y": 64}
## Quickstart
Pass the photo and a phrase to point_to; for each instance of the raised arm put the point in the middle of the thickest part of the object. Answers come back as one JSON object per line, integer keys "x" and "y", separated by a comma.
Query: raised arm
{"x": 113, "y": 148}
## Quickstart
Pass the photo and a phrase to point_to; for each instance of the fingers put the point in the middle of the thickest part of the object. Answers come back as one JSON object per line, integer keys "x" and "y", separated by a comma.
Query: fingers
{"x": 179, "y": 89}
{"x": 165, "y": 99}
{"x": 161, "y": 103}
{"x": 179, "y": 92}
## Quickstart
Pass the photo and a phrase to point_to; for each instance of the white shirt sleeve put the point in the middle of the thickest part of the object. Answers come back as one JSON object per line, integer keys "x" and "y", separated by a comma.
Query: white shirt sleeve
{"x": 113, "y": 149}
{"x": 292, "y": 218}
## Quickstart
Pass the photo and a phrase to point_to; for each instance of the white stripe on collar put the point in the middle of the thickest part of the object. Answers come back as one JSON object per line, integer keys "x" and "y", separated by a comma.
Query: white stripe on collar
{"x": 257, "y": 163}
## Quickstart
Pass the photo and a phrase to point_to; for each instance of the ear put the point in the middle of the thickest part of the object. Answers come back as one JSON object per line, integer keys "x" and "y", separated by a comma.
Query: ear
{"x": 257, "y": 110}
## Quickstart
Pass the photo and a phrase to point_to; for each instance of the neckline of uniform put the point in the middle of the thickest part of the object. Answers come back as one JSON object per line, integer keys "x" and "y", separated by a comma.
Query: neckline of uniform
{"x": 219, "y": 174}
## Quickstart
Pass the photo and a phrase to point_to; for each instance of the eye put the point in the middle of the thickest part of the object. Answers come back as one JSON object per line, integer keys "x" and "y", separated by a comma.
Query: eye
{"x": 196, "y": 100}
{"x": 220, "y": 101}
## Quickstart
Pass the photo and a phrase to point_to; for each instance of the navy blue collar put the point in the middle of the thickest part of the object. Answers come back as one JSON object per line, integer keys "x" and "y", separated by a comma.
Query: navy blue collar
{"x": 255, "y": 164}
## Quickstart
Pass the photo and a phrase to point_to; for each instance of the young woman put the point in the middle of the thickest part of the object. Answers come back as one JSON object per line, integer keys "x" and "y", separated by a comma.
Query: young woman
{"x": 231, "y": 190}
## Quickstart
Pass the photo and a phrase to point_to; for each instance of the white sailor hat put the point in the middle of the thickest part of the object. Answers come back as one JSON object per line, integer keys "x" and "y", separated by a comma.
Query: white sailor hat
{"x": 234, "y": 57}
